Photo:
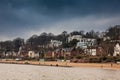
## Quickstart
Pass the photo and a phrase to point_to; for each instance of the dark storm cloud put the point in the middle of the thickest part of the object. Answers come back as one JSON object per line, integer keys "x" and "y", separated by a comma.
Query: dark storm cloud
{"x": 80, "y": 7}
{"x": 55, "y": 7}
{"x": 20, "y": 16}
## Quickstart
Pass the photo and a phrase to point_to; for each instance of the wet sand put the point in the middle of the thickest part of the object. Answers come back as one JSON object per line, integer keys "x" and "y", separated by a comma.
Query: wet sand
{"x": 31, "y": 72}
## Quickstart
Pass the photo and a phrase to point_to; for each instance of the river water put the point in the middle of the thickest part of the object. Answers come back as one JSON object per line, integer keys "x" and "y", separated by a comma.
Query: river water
{"x": 31, "y": 72}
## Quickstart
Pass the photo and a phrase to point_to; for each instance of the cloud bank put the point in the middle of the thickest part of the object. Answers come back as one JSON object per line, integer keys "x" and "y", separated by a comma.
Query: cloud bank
{"x": 23, "y": 18}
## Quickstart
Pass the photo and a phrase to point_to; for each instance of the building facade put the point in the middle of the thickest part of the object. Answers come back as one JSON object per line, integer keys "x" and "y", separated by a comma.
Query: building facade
{"x": 85, "y": 43}
{"x": 55, "y": 43}
{"x": 77, "y": 37}
{"x": 116, "y": 50}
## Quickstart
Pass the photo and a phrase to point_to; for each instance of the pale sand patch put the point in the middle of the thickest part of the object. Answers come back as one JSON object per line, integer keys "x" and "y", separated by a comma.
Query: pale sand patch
{"x": 30, "y": 72}
{"x": 54, "y": 63}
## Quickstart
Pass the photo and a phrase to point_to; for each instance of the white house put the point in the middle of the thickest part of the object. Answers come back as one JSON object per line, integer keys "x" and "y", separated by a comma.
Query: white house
{"x": 92, "y": 52}
{"x": 33, "y": 54}
{"x": 101, "y": 35}
{"x": 82, "y": 45}
{"x": 77, "y": 37}
{"x": 85, "y": 42}
{"x": 116, "y": 50}
{"x": 55, "y": 43}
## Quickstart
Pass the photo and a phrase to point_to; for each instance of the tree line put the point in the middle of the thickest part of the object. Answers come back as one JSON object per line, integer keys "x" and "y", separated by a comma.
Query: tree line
{"x": 44, "y": 38}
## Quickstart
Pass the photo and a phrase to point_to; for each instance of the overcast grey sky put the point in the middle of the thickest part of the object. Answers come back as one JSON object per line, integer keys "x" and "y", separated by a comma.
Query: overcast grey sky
{"x": 23, "y": 18}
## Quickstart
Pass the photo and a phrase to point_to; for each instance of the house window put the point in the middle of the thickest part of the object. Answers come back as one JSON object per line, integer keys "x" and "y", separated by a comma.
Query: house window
{"x": 91, "y": 44}
{"x": 81, "y": 40}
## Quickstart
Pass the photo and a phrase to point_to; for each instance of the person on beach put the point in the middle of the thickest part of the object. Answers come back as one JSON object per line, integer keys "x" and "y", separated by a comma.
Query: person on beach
{"x": 111, "y": 65}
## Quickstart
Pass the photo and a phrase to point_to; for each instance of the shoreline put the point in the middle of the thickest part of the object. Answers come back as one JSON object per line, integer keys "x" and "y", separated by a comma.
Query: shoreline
{"x": 113, "y": 66}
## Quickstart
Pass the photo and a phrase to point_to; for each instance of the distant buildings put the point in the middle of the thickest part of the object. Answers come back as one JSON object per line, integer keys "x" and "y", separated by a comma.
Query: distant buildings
{"x": 55, "y": 43}
{"x": 92, "y": 52}
{"x": 77, "y": 37}
{"x": 85, "y": 43}
{"x": 101, "y": 35}
{"x": 33, "y": 54}
{"x": 116, "y": 50}
{"x": 88, "y": 44}
{"x": 74, "y": 46}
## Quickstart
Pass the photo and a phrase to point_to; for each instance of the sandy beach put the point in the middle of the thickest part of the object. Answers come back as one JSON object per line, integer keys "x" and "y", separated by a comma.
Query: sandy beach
{"x": 65, "y": 64}
{"x": 31, "y": 72}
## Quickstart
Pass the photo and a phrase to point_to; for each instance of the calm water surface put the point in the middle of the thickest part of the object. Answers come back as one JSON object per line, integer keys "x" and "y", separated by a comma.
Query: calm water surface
{"x": 30, "y": 72}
